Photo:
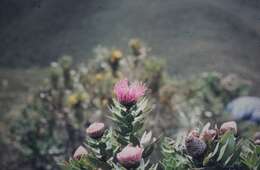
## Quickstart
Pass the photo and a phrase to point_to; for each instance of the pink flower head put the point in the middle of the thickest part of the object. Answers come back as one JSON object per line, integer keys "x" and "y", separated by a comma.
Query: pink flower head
{"x": 130, "y": 157}
{"x": 257, "y": 142}
{"x": 257, "y": 138}
{"x": 228, "y": 126}
{"x": 80, "y": 152}
{"x": 129, "y": 94}
{"x": 96, "y": 130}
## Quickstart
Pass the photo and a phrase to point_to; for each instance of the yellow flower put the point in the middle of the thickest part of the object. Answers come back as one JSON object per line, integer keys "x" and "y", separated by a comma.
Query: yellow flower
{"x": 135, "y": 44}
{"x": 72, "y": 100}
{"x": 116, "y": 55}
{"x": 99, "y": 76}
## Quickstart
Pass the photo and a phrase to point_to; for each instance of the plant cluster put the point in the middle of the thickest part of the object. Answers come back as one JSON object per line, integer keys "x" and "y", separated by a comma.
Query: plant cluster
{"x": 212, "y": 148}
{"x": 200, "y": 99}
{"x": 51, "y": 125}
{"x": 121, "y": 146}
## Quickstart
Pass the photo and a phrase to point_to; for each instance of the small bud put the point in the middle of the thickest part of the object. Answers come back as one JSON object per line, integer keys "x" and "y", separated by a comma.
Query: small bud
{"x": 257, "y": 142}
{"x": 228, "y": 126}
{"x": 72, "y": 100}
{"x": 99, "y": 76}
{"x": 96, "y": 130}
{"x": 116, "y": 55}
{"x": 257, "y": 138}
{"x": 130, "y": 157}
{"x": 79, "y": 153}
{"x": 207, "y": 134}
{"x": 195, "y": 146}
{"x": 135, "y": 44}
{"x": 194, "y": 133}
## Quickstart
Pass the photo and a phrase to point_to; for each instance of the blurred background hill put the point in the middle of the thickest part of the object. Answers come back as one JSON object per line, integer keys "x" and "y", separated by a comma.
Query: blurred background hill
{"x": 193, "y": 36}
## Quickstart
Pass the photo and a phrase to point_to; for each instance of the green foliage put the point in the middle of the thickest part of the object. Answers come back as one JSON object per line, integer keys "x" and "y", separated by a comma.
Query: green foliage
{"x": 153, "y": 73}
{"x": 202, "y": 98}
{"x": 103, "y": 148}
{"x": 143, "y": 166}
{"x": 51, "y": 125}
{"x": 86, "y": 163}
{"x": 173, "y": 157}
{"x": 128, "y": 121}
{"x": 217, "y": 90}
{"x": 251, "y": 156}
{"x": 225, "y": 152}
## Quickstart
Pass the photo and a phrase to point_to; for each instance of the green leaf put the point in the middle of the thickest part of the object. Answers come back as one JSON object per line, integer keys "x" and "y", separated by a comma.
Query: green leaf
{"x": 211, "y": 155}
{"x": 222, "y": 151}
{"x": 98, "y": 163}
{"x": 148, "y": 150}
{"x": 228, "y": 160}
{"x": 257, "y": 149}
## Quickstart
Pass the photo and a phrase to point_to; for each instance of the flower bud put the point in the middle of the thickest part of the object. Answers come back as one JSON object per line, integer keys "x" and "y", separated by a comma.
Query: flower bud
{"x": 72, "y": 100}
{"x": 257, "y": 142}
{"x": 116, "y": 55}
{"x": 99, "y": 76}
{"x": 96, "y": 130}
{"x": 130, "y": 157}
{"x": 195, "y": 146}
{"x": 228, "y": 126}
{"x": 79, "y": 153}
{"x": 257, "y": 138}
{"x": 135, "y": 44}
{"x": 208, "y": 135}
{"x": 194, "y": 133}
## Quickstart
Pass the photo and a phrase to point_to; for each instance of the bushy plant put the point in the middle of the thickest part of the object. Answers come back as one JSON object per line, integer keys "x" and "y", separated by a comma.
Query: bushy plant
{"x": 51, "y": 124}
{"x": 211, "y": 148}
{"x": 174, "y": 159}
{"x": 251, "y": 155}
{"x": 118, "y": 147}
{"x": 200, "y": 99}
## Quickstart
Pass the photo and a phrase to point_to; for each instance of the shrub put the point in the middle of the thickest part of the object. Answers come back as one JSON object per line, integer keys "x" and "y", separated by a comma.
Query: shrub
{"x": 203, "y": 98}
{"x": 50, "y": 126}
{"x": 119, "y": 147}
{"x": 211, "y": 149}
